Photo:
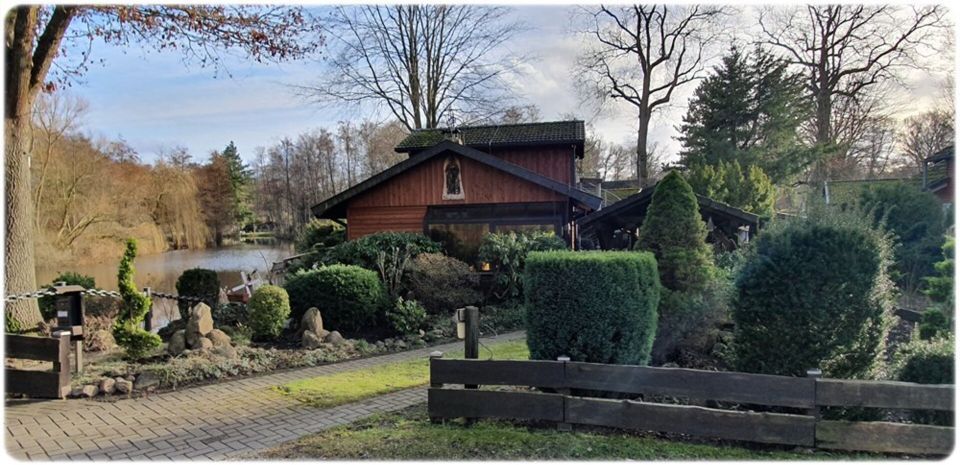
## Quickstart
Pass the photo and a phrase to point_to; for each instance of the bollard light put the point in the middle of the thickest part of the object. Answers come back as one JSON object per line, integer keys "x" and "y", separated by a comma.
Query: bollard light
{"x": 461, "y": 323}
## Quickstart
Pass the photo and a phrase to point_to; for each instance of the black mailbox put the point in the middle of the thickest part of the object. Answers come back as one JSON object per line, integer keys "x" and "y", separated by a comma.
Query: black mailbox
{"x": 69, "y": 305}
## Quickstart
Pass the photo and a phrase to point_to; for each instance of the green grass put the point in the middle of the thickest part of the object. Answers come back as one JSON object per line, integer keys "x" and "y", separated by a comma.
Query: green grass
{"x": 408, "y": 434}
{"x": 351, "y": 386}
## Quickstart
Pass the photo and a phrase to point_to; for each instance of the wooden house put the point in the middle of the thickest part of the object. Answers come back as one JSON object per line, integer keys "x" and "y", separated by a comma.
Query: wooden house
{"x": 466, "y": 182}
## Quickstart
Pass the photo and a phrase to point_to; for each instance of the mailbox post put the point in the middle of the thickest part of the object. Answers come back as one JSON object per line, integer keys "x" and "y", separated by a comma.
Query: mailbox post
{"x": 69, "y": 305}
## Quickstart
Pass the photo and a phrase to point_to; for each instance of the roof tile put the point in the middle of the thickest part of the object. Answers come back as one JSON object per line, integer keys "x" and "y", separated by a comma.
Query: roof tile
{"x": 500, "y": 135}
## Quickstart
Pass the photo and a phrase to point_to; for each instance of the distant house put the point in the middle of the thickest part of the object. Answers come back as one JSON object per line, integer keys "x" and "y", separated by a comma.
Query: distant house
{"x": 938, "y": 175}
{"x": 616, "y": 226}
{"x": 462, "y": 183}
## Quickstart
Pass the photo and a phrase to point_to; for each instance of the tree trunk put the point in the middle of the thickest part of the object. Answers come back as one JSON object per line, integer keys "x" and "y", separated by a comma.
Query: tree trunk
{"x": 19, "y": 267}
{"x": 643, "y": 125}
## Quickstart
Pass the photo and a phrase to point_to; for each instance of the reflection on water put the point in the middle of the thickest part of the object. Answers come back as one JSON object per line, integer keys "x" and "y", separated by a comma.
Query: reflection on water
{"x": 161, "y": 271}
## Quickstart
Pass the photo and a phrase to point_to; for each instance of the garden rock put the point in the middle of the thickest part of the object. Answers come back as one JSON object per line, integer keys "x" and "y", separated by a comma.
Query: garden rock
{"x": 199, "y": 325}
{"x": 334, "y": 338}
{"x": 99, "y": 340}
{"x": 147, "y": 380}
{"x": 310, "y": 340}
{"x": 401, "y": 345}
{"x": 108, "y": 386}
{"x": 178, "y": 342}
{"x": 205, "y": 343}
{"x": 312, "y": 321}
{"x": 123, "y": 386}
{"x": 218, "y": 338}
{"x": 89, "y": 390}
{"x": 226, "y": 351}
{"x": 76, "y": 392}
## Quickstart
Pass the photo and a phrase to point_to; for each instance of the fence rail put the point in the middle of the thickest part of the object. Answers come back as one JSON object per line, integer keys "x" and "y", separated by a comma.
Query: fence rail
{"x": 807, "y": 395}
{"x": 52, "y": 384}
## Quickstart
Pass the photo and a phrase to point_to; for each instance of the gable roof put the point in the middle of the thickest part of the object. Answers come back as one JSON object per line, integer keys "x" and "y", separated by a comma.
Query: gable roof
{"x": 634, "y": 208}
{"x": 335, "y": 207}
{"x": 502, "y": 135}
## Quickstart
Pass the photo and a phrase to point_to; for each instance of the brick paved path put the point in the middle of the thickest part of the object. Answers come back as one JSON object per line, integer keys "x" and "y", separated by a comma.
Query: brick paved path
{"x": 217, "y": 421}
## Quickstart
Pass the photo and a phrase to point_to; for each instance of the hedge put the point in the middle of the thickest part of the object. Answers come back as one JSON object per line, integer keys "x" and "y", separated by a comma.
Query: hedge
{"x": 591, "y": 306}
{"x": 813, "y": 292}
{"x": 198, "y": 282}
{"x": 350, "y": 298}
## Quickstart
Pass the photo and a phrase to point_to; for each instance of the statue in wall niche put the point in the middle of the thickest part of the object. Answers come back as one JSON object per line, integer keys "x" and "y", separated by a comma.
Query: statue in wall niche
{"x": 452, "y": 185}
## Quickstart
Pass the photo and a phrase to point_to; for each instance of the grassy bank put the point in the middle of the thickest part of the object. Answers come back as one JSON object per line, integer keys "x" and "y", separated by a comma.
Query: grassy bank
{"x": 351, "y": 386}
{"x": 408, "y": 435}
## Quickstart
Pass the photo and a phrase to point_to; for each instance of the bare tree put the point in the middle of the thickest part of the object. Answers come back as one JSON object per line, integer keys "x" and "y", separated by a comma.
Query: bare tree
{"x": 873, "y": 152}
{"x": 421, "y": 62}
{"x": 845, "y": 51}
{"x": 35, "y": 35}
{"x": 642, "y": 55}
{"x": 55, "y": 116}
{"x": 924, "y": 135}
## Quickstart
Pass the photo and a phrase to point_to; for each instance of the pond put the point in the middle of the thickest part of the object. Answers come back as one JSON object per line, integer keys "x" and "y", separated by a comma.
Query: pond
{"x": 160, "y": 271}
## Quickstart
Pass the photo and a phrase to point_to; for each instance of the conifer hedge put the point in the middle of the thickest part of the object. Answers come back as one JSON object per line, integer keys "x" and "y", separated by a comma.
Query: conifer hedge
{"x": 591, "y": 306}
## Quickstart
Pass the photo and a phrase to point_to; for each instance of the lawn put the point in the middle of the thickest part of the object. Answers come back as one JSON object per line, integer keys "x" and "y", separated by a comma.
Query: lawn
{"x": 408, "y": 434}
{"x": 351, "y": 386}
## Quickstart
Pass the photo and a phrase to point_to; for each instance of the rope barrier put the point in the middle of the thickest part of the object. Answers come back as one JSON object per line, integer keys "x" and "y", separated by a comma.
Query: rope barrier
{"x": 96, "y": 292}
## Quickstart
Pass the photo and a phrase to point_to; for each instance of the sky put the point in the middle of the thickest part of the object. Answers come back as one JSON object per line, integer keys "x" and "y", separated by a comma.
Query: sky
{"x": 156, "y": 102}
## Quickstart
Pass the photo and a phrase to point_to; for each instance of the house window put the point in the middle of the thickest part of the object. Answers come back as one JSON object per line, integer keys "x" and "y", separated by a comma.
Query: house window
{"x": 452, "y": 180}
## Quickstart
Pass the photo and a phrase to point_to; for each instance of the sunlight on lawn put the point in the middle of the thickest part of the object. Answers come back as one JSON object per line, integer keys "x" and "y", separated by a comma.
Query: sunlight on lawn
{"x": 351, "y": 386}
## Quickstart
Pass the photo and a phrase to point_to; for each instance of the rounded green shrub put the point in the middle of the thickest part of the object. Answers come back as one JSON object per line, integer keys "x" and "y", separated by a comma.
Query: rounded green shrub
{"x": 198, "y": 282}
{"x": 127, "y": 330}
{"x": 591, "y": 306}
{"x": 926, "y": 362}
{"x": 406, "y": 316}
{"x": 268, "y": 310}
{"x": 933, "y": 323}
{"x": 813, "y": 292}
{"x": 363, "y": 252}
{"x": 350, "y": 298}
{"x": 442, "y": 284}
{"x": 320, "y": 234}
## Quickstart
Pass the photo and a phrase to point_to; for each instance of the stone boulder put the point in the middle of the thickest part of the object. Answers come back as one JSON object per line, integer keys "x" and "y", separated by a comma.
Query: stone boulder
{"x": 205, "y": 343}
{"x": 218, "y": 338}
{"x": 334, "y": 338}
{"x": 312, "y": 321}
{"x": 89, "y": 390}
{"x": 123, "y": 385}
{"x": 310, "y": 340}
{"x": 178, "y": 342}
{"x": 226, "y": 351}
{"x": 108, "y": 385}
{"x": 199, "y": 325}
{"x": 146, "y": 380}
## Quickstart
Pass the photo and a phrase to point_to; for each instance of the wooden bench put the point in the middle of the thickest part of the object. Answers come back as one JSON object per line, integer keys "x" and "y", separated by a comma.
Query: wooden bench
{"x": 53, "y": 384}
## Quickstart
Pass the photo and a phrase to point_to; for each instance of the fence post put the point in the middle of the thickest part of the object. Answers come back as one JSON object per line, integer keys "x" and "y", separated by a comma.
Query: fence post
{"x": 471, "y": 341}
{"x": 435, "y": 355}
{"x": 70, "y": 314}
{"x": 148, "y": 320}
{"x": 814, "y": 412}
{"x": 565, "y": 391}
{"x": 62, "y": 365}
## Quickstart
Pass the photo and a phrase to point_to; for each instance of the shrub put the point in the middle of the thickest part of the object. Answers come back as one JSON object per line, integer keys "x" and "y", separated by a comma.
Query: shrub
{"x": 933, "y": 323}
{"x": 269, "y": 308}
{"x": 198, "y": 282}
{"x": 507, "y": 316}
{"x": 940, "y": 287}
{"x": 813, "y": 292}
{"x": 406, "y": 316}
{"x": 230, "y": 314}
{"x": 364, "y": 251}
{"x": 126, "y": 329}
{"x": 674, "y": 231}
{"x": 591, "y": 306}
{"x": 350, "y": 298}
{"x": 46, "y": 303}
{"x": 320, "y": 234}
{"x": 507, "y": 253}
{"x": 926, "y": 362}
{"x": 916, "y": 218}
{"x": 441, "y": 283}
{"x": 688, "y": 325}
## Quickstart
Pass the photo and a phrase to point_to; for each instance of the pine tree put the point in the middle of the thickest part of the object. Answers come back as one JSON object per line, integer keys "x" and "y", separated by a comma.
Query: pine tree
{"x": 241, "y": 180}
{"x": 675, "y": 233}
{"x": 747, "y": 188}
{"x": 748, "y": 111}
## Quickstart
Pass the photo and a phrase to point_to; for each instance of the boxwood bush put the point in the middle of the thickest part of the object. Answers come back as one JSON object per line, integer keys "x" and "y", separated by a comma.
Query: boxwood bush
{"x": 591, "y": 306}
{"x": 814, "y": 292}
{"x": 926, "y": 362}
{"x": 198, "y": 282}
{"x": 350, "y": 298}
{"x": 268, "y": 310}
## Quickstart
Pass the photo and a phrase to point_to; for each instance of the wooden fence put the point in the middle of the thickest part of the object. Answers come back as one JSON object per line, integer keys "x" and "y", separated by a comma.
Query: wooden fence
{"x": 53, "y": 384}
{"x": 805, "y": 395}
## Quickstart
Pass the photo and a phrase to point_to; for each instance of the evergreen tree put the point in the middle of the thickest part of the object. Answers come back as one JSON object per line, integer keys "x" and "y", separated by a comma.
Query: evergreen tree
{"x": 675, "y": 233}
{"x": 241, "y": 181}
{"x": 748, "y": 111}
{"x": 747, "y": 188}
